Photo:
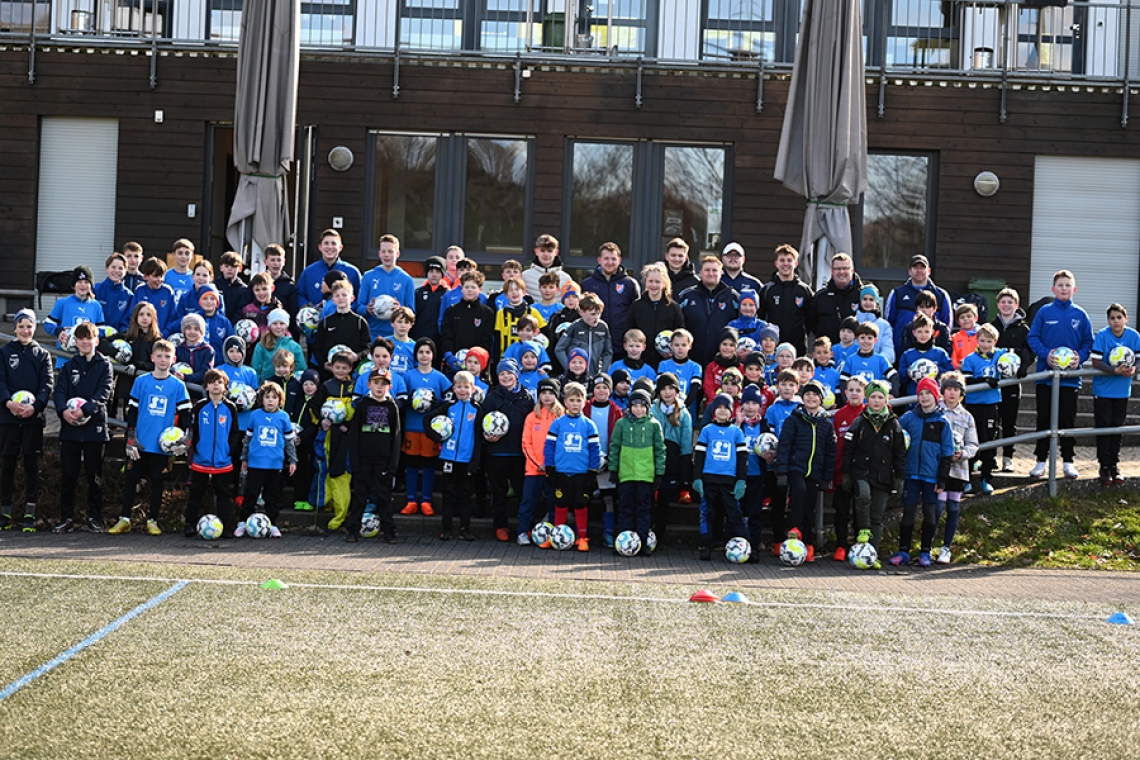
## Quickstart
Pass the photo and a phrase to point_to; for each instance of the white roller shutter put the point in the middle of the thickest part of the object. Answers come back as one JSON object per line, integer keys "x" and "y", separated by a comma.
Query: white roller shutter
{"x": 75, "y": 216}
{"x": 1086, "y": 218}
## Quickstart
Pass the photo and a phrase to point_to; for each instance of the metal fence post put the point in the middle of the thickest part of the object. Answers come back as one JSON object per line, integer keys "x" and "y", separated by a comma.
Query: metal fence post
{"x": 1054, "y": 426}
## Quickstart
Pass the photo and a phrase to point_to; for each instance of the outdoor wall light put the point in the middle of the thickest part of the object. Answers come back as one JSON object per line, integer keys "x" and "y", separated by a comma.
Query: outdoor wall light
{"x": 986, "y": 184}
{"x": 340, "y": 158}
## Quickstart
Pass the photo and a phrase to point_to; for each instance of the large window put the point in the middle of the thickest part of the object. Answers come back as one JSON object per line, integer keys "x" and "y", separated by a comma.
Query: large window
{"x": 693, "y": 197}
{"x": 895, "y": 220}
{"x": 498, "y": 26}
{"x": 436, "y": 190}
{"x": 601, "y": 196}
{"x": 323, "y": 23}
{"x": 17, "y": 16}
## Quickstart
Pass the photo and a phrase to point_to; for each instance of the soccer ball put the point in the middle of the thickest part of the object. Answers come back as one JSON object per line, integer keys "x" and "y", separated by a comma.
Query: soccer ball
{"x": 422, "y": 399}
{"x": 496, "y": 424}
{"x": 744, "y": 347}
{"x": 562, "y": 537}
{"x": 828, "y": 398}
{"x": 442, "y": 426}
{"x": 383, "y": 306}
{"x": 922, "y": 368}
{"x": 123, "y": 351}
{"x": 339, "y": 348}
{"x": 541, "y": 340}
{"x": 664, "y": 343}
{"x": 258, "y": 525}
{"x": 297, "y": 429}
{"x": 1008, "y": 364}
{"x": 1121, "y": 356}
{"x": 541, "y": 533}
{"x": 627, "y": 543}
{"x": 243, "y": 396}
{"x": 24, "y": 397}
{"x": 738, "y": 550}
{"x": 863, "y": 556}
{"x": 105, "y": 331}
{"x": 369, "y": 526}
{"x": 1065, "y": 358}
{"x": 308, "y": 318}
{"x": 76, "y": 405}
{"x": 176, "y": 339}
{"x": 906, "y": 438}
{"x": 793, "y": 552}
{"x": 210, "y": 527}
{"x": 67, "y": 341}
{"x": 181, "y": 370}
{"x": 247, "y": 330}
{"x": 651, "y": 541}
{"x": 173, "y": 440}
{"x": 766, "y": 444}
{"x": 959, "y": 441}
{"x": 335, "y": 410}
{"x": 365, "y": 368}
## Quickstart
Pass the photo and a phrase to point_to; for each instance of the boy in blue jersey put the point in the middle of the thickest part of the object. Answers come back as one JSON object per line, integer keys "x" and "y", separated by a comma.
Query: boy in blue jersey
{"x": 158, "y": 400}
{"x": 385, "y": 279}
{"x": 548, "y": 304}
{"x": 605, "y": 412}
{"x": 381, "y": 355}
{"x": 216, "y": 433}
{"x": 634, "y": 345}
{"x": 720, "y": 469}
{"x": 420, "y": 452}
{"x": 24, "y": 366}
{"x": 689, "y": 373}
{"x": 847, "y": 343}
{"x": 180, "y": 277}
{"x": 79, "y": 307}
{"x": 218, "y": 327}
{"x": 622, "y": 383}
{"x": 752, "y": 424}
{"x": 869, "y": 365}
{"x": 459, "y": 455}
{"x": 114, "y": 295}
{"x": 983, "y": 404}
{"x": 573, "y": 458}
{"x": 805, "y": 460}
{"x": 1061, "y": 324}
{"x": 403, "y": 347}
{"x": 133, "y": 253}
{"x": 825, "y": 373}
{"x": 923, "y": 348}
{"x": 269, "y": 449}
{"x": 1112, "y": 390}
{"x": 237, "y": 372}
{"x": 529, "y": 373}
{"x": 769, "y": 341}
{"x": 158, "y": 294}
{"x": 528, "y": 332}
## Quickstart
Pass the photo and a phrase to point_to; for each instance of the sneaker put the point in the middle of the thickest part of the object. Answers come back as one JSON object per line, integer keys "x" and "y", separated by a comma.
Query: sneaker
{"x": 94, "y": 525}
{"x": 840, "y": 554}
{"x": 425, "y": 507}
{"x": 583, "y": 544}
{"x": 274, "y": 532}
{"x": 152, "y": 528}
{"x": 502, "y": 535}
{"x": 389, "y": 537}
{"x": 1070, "y": 471}
{"x": 410, "y": 508}
{"x": 705, "y": 554}
{"x": 968, "y": 488}
{"x": 924, "y": 559}
{"x": 465, "y": 534}
{"x": 986, "y": 488}
{"x": 64, "y": 527}
{"x": 239, "y": 531}
{"x": 5, "y": 521}
{"x": 303, "y": 506}
{"x": 1038, "y": 470}
{"x": 943, "y": 556}
{"x": 1117, "y": 478}
{"x": 190, "y": 530}
{"x": 608, "y": 540}
{"x": 545, "y": 544}
{"x": 899, "y": 558}
{"x": 810, "y": 554}
{"x": 122, "y": 526}
{"x": 523, "y": 539}
{"x": 1105, "y": 476}
{"x": 1007, "y": 464}
{"x": 445, "y": 536}
{"x": 864, "y": 537}
{"x": 686, "y": 497}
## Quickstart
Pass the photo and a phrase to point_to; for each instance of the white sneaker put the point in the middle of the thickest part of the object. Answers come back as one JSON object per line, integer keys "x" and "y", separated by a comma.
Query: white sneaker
{"x": 274, "y": 532}
{"x": 943, "y": 556}
{"x": 1070, "y": 471}
{"x": 523, "y": 539}
{"x": 1038, "y": 470}
{"x": 1006, "y": 464}
{"x": 239, "y": 531}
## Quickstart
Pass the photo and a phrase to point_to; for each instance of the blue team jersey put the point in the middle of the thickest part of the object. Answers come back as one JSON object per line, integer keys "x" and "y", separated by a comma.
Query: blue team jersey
{"x": 572, "y": 445}
{"x": 827, "y": 376}
{"x": 529, "y": 380}
{"x": 1113, "y": 386}
{"x": 516, "y": 350}
{"x": 403, "y": 356}
{"x": 547, "y": 311}
{"x": 873, "y": 367}
{"x": 752, "y": 431}
{"x": 378, "y": 282}
{"x": 181, "y": 284}
{"x": 162, "y": 299}
{"x": 436, "y": 382}
{"x": 269, "y": 433}
{"x": 158, "y": 403}
{"x": 246, "y": 376}
{"x": 911, "y": 355}
{"x": 460, "y": 445}
{"x": 720, "y": 444}
{"x": 115, "y": 298}
{"x": 979, "y": 367}
{"x": 397, "y": 391}
{"x": 643, "y": 371}
{"x": 689, "y": 374}
{"x": 779, "y": 412}
{"x": 69, "y": 312}
{"x": 840, "y": 352}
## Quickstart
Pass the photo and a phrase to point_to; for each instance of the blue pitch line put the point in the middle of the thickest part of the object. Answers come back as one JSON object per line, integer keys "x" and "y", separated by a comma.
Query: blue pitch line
{"x": 111, "y": 627}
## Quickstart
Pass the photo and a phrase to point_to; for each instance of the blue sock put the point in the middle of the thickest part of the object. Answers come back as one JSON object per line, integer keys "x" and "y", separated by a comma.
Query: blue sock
{"x": 429, "y": 483}
{"x": 608, "y": 523}
{"x": 412, "y": 478}
{"x": 952, "y": 511}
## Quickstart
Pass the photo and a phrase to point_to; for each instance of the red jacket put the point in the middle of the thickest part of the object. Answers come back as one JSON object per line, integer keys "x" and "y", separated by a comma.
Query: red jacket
{"x": 844, "y": 417}
{"x": 712, "y": 374}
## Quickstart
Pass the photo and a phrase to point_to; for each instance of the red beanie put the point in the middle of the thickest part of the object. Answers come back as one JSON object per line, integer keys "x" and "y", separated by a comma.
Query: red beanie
{"x": 929, "y": 384}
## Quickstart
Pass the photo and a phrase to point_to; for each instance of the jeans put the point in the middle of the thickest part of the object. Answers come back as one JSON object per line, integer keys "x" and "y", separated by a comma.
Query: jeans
{"x": 534, "y": 488}
{"x": 635, "y": 508}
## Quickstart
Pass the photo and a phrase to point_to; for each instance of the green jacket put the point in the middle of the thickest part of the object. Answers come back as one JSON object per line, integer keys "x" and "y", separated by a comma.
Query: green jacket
{"x": 637, "y": 449}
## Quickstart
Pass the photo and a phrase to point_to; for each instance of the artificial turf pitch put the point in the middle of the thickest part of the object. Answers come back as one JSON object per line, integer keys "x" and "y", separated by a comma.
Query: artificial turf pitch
{"x": 392, "y": 666}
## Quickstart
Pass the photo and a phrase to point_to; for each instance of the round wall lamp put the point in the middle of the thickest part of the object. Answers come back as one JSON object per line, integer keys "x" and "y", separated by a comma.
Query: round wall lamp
{"x": 986, "y": 184}
{"x": 341, "y": 158}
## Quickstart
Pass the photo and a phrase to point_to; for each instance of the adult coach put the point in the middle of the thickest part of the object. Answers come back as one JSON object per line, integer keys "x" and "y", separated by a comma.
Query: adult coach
{"x": 708, "y": 307}
{"x": 900, "y": 306}
{"x": 837, "y": 299}
{"x": 734, "y": 276}
{"x": 786, "y": 301}
{"x": 309, "y": 284}
{"x": 617, "y": 290}
{"x": 385, "y": 279}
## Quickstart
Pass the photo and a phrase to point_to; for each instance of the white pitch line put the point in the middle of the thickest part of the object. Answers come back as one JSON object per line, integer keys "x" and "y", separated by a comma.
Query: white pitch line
{"x": 553, "y": 595}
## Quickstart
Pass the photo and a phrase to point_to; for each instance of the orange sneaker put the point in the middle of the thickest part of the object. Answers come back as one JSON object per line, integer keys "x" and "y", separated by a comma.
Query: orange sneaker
{"x": 425, "y": 507}
{"x": 502, "y": 535}
{"x": 686, "y": 497}
{"x": 776, "y": 548}
{"x": 583, "y": 544}
{"x": 840, "y": 554}
{"x": 410, "y": 508}
{"x": 545, "y": 544}
{"x": 810, "y": 553}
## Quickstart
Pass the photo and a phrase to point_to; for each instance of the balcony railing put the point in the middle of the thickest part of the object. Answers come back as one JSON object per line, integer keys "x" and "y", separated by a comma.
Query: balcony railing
{"x": 995, "y": 38}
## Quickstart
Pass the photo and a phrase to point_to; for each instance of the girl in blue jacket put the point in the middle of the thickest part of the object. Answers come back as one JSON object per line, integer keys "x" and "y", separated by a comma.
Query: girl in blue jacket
{"x": 459, "y": 455}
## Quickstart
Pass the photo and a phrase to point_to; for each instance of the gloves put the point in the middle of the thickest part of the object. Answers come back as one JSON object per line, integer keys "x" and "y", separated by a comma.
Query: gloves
{"x": 699, "y": 487}
{"x": 846, "y": 482}
{"x": 739, "y": 489}
{"x": 899, "y": 485}
{"x": 992, "y": 382}
{"x": 781, "y": 481}
{"x": 452, "y": 363}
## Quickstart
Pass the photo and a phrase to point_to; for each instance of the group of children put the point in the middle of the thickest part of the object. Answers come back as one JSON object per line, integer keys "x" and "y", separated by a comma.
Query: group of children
{"x": 383, "y": 392}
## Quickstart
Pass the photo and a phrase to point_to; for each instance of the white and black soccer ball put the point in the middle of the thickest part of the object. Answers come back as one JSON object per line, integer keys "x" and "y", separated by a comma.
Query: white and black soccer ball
{"x": 793, "y": 552}
{"x": 496, "y": 424}
{"x": 173, "y": 440}
{"x": 210, "y": 527}
{"x": 1121, "y": 356}
{"x": 541, "y": 533}
{"x": 383, "y": 306}
{"x": 308, "y": 318}
{"x": 422, "y": 399}
{"x": 258, "y": 525}
{"x": 247, "y": 330}
{"x": 541, "y": 340}
{"x": 737, "y": 550}
{"x": 745, "y": 346}
{"x": 442, "y": 426}
{"x": 651, "y": 541}
{"x": 176, "y": 339}
{"x": 24, "y": 397}
{"x": 1008, "y": 364}
{"x": 243, "y": 396}
{"x": 339, "y": 348}
{"x": 123, "y": 351}
{"x": 627, "y": 543}
{"x": 181, "y": 370}
{"x": 766, "y": 444}
{"x": 76, "y": 405}
{"x": 562, "y": 537}
{"x": 67, "y": 341}
{"x": 863, "y": 556}
{"x": 369, "y": 526}
{"x": 335, "y": 410}
{"x": 922, "y": 368}
{"x": 1065, "y": 358}
{"x": 664, "y": 343}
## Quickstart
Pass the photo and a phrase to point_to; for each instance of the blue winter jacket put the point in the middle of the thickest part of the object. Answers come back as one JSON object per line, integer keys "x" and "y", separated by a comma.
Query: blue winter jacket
{"x": 115, "y": 298}
{"x": 900, "y": 308}
{"x": 463, "y": 446}
{"x": 931, "y": 447}
{"x": 617, "y": 294}
{"x": 216, "y": 434}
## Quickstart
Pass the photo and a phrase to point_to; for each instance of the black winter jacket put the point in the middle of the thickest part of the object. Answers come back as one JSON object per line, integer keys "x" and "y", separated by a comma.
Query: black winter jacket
{"x": 807, "y": 447}
{"x": 467, "y": 324}
{"x": 832, "y": 304}
{"x": 516, "y": 404}
{"x": 651, "y": 317}
{"x": 92, "y": 381}
{"x": 707, "y": 313}
{"x": 789, "y": 306}
{"x": 876, "y": 456}
{"x": 25, "y": 368}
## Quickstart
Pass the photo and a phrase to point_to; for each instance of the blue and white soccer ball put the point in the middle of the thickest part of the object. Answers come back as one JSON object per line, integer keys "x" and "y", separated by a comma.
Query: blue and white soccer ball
{"x": 496, "y": 424}
{"x": 308, "y": 318}
{"x": 339, "y": 348}
{"x": 562, "y": 537}
{"x": 422, "y": 399}
{"x": 863, "y": 556}
{"x": 1008, "y": 365}
{"x": 176, "y": 339}
{"x": 258, "y": 525}
{"x": 744, "y": 347}
{"x": 173, "y": 440}
{"x": 67, "y": 341}
{"x": 923, "y": 368}
{"x": 541, "y": 339}
{"x": 442, "y": 426}
{"x": 383, "y": 306}
{"x": 369, "y": 526}
{"x": 664, "y": 343}
{"x": 210, "y": 527}
{"x": 737, "y": 550}
{"x": 335, "y": 410}
{"x": 541, "y": 533}
{"x": 793, "y": 552}
{"x": 1121, "y": 356}
{"x": 651, "y": 541}
{"x": 1065, "y": 358}
{"x": 243, "y": 396}
{"x": 123, "y": 351}
{"x": 627, "y": 543}
{"x": 365, "y": 368}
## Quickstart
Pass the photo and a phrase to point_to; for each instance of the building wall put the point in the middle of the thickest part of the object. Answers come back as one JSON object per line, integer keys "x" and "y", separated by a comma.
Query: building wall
{"x": 162, "y": 165}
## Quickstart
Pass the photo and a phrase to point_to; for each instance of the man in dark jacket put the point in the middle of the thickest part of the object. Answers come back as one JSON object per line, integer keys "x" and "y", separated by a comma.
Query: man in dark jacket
{"x": 505, "y": 464}
{"x": 787, "y": 300}
{"x": 428, "y": 298}
{"x": 682, "y": 275}
{"x": 708, "y": 307}
{"x": 734, "y": 276}
{"x": 616, "y": 289}
{"x": 837, "y": 299}
{"x": 902, "y": 302}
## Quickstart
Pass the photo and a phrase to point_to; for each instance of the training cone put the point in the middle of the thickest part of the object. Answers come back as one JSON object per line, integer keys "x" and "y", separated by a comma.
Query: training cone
{"x": 273, "y": 583}
{"x": 1121, "y": 618}
{"x": 735, "y": 597}
{"x": 703, "y": 596}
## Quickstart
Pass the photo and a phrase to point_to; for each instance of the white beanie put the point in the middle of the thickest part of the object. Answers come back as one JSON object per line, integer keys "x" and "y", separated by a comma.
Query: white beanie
{"x": 278, "y": 315}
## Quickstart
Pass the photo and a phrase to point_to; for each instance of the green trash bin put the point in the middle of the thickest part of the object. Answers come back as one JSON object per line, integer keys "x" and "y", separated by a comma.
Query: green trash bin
{"x": 988, "y": 288}
{"x": 554, "y": 32}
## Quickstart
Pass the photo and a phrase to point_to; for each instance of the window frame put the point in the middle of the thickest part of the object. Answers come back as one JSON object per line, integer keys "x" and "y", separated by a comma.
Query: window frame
{"x": 332, "y": 8}
{"x": 784, "y": 25}
{"x": 899, "y": 274}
